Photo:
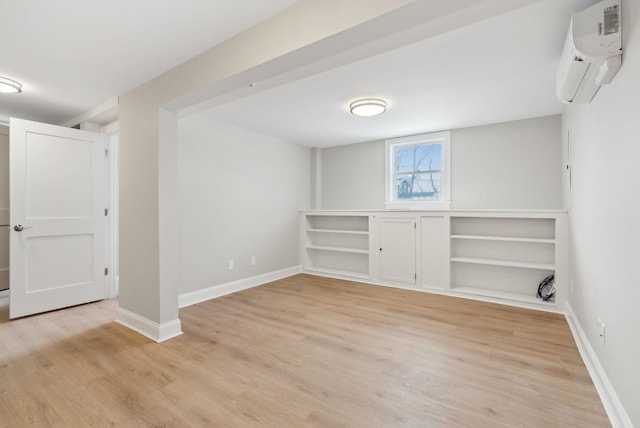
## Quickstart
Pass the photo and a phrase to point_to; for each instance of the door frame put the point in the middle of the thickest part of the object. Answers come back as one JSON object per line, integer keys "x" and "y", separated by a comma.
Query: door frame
{"x": 4, "y": 294}
{"x": 112, "y": 280}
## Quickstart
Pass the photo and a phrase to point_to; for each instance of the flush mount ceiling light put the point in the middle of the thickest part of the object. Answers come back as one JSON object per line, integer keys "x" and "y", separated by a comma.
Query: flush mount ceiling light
{"x": 9, "y": 86}
{"x": 368, "y": 107}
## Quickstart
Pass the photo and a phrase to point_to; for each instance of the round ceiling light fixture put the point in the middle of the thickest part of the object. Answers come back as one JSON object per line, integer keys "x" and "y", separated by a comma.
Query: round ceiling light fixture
{"x": 368, "y": 107}
{"x": 9, "y": 86}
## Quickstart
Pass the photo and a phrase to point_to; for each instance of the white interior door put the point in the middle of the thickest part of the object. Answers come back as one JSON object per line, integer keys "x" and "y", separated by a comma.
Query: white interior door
{"x": 57, "y": 211}
{"x": 397, "y": 250}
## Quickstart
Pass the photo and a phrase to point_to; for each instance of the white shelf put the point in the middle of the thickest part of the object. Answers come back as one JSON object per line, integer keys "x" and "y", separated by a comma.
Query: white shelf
{"x": 506, "y": 263}
{"x": 505, "y": 239}
{"x": 348, "y": 232}
{"x": 338, "y": 249}
{"x": 519, "y": 297}
{"x": 338, "y": 272}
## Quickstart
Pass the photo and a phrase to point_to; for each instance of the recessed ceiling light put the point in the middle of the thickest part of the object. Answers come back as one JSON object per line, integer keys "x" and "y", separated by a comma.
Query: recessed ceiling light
{"x": 368, "y": 107}
{"x": 9, "y": 86}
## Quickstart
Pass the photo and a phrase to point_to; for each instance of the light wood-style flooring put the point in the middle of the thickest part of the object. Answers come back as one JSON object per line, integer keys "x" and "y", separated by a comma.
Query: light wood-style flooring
{"x": 300, "y": 352}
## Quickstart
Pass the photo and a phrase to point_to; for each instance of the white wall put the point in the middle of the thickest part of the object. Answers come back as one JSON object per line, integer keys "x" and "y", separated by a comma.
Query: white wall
{"x": 513, "y": 165}
{"x": 240, "y": 193}
{"x": 605, "y": 218}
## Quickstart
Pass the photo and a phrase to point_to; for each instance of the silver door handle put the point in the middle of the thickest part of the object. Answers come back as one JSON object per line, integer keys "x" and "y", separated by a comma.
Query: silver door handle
{"x": 20, "y": 228}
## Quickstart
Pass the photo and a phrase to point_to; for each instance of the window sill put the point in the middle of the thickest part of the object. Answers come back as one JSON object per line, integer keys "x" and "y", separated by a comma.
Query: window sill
{"x": 418, "y": 205}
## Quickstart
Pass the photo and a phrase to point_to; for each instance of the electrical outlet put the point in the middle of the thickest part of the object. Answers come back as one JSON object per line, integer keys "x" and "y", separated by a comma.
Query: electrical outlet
{"x": 253, "y": 260}
{"x": 601, "y": 331}
{"x": 231, "y": 264}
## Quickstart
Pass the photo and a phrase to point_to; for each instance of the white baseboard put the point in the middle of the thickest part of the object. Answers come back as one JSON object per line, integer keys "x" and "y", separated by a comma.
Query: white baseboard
{"x": 152, "y": 330}
{"x": 4, "y": 298}
{"x": 443, "y": 291}
{"x": 193, "y": 297}
{"x": 617, "y": 415}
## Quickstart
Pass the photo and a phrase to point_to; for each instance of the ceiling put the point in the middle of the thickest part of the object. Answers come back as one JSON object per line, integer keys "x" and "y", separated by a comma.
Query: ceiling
{"x": 75, "y": 55}
{"x": 495, "y": 70}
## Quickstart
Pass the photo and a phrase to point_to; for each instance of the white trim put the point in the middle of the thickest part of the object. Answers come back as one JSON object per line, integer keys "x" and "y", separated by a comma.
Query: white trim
{"x": 112, "y": 220}
{"x": 617, "y": 415}
{"x": 152, "y": 330}
{"x": 455, "y": 211}
{"x": 418, "y": 205}
{"x": 451, "y": 292}
{"x": 4, "y": 298}
{"x": 204, "y": 294}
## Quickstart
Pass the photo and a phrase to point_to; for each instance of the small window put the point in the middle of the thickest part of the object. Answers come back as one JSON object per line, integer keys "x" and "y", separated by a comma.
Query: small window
{"x": 417, "y": 172}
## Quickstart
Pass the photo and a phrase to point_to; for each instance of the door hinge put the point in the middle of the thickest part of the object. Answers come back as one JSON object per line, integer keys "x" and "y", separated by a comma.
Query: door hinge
{"x": 106, "y": 271}
{"x": 106, "y": 211}
{"x": 106, "y": 153}
{"x": 415, "y": 276}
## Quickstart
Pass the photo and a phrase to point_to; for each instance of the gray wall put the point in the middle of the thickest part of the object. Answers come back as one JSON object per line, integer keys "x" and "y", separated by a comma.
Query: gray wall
{"x": 604, "y": 218}
{"x": 240, "y": 193}
{"x": 353, "y": 176}
{"x": 513, "y": 165}
{"x": 305, "y": 32}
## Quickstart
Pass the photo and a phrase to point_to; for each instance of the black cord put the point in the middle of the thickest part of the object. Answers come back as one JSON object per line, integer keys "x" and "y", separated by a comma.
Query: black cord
{"x": 546, "y": 289}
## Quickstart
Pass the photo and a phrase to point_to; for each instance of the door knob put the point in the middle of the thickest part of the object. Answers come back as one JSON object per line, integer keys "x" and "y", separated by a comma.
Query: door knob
{"x": 19, "y": 228}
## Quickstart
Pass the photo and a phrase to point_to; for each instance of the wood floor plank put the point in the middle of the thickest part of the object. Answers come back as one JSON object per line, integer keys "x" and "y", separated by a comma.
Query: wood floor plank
{"x": 305, "y": 351}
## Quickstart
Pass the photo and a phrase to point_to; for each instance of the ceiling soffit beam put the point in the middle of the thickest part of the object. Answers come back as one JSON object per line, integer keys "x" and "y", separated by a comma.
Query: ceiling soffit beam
{"x": 296, "y": 27}
{"x": 419, "y": 20}
{"x": 104, "y": 113}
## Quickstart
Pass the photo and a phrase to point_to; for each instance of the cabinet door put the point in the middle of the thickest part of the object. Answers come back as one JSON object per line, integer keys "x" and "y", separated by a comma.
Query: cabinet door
{"x": 397, "y": 250}
{"x": 434, "y": 254}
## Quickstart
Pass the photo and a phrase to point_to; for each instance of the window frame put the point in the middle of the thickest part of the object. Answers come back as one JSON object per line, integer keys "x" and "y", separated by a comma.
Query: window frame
{"x": 391, "y": 201}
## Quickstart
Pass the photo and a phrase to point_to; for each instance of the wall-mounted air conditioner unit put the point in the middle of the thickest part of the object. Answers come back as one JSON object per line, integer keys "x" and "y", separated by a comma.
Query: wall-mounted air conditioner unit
{"x": 592, "y": 53}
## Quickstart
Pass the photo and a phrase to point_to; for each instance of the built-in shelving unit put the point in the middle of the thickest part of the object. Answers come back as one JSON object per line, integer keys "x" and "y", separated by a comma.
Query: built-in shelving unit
{"x": 337, "y": 244}
{"x": 498, "y": 256}
{"x": 502, "y": 257}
